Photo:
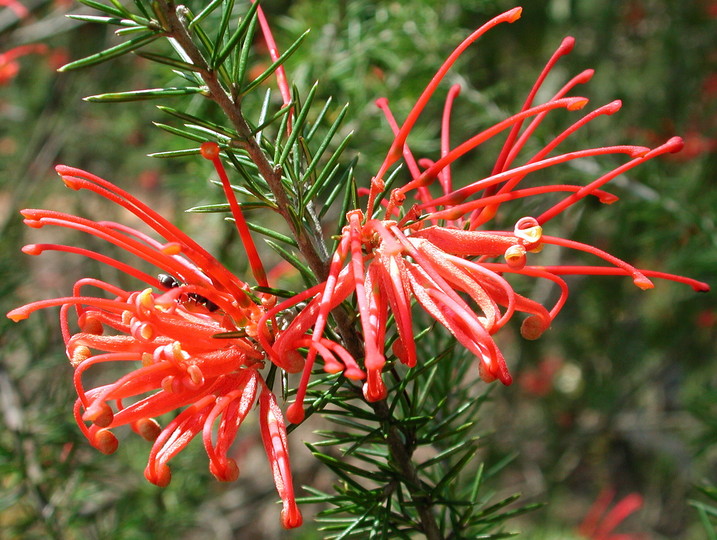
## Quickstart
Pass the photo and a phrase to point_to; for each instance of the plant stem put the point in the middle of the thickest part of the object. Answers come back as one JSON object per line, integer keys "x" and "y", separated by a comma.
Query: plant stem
{"x": 313, "y": 252}
{"x": 401, "y": 454}
{"x": 398, "y": 441}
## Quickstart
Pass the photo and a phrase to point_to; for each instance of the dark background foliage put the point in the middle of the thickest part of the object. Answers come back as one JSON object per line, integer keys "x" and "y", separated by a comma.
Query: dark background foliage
{"x": 619, "y": 393}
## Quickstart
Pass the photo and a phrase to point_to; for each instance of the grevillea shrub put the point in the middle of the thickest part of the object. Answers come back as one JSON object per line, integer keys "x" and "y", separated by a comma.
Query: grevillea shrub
{"x": 394, "y": 326}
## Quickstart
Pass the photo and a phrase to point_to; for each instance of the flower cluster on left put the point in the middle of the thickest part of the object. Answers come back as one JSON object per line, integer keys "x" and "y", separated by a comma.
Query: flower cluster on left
{"x": 186, "y": 339}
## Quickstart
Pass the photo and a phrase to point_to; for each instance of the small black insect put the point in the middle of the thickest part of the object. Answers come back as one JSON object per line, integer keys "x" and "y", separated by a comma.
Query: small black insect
{"x": 172, "y": 283}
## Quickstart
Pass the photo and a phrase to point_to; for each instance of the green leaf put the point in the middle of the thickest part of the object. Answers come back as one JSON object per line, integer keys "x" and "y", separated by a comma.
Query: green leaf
{"x": 350, "y": 202}
{"x": 278, "y": 114}
{"x": 343, "y": 468}
{"x": 221, "y": 55}
{"x": 212, "y": 134}
{"x": 319, "y": 119}
{"x": 223, "y": 25}
{"x": 240, "y": 66}
{"x": 168, "y": 61}
{"x": 181, "y": 132}
{"x": 272, "y": 234}
{"x": 140, "y": 95}
{"x": 202, "y": 14}
{"x": 296, "y": 128}
{"x": 126, "y": 31}
{"x": 196, "y": 121}
{"x": 448, "y": 452}
{"x": 175, "y": 153}
{"x": 112, "y": 52}
{"x": 327, "y": 171}
{"x": 306, "y": 272}
{"x": 349, "y": 176}
{"x": 274, "y": 65}
{"x": 249, "y": 172}
{"x": 99, "y": 19}
{"x": 141, "y": 7}
{"x": 223, "y": 208}
{"x": 123, "y": 13}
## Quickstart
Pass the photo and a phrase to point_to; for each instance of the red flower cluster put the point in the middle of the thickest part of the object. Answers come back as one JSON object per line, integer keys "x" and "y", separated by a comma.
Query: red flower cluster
{"x": 186, "y": 341}
{"x": 438, "y": 253}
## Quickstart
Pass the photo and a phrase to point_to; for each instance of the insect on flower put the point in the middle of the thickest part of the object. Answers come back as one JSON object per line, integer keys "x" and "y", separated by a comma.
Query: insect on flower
{"x": 439, "y": 251}
{"x": 187, "y": 341}
{"x": 170, "y": 282}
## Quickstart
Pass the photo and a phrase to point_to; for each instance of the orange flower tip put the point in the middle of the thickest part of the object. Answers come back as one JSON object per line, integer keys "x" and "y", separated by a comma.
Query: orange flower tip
{"x": 674, "y": 145}
{"x": 105, "y": 441}
{"x": 333, "y": 367}
{"x": 642, "y": 282}
{"x": 18, "y": 314}
{"x": 33, "y": 223}
{"x": 585, "y": 76}
{"x": 612, "y": 107}
{"x": 148, "y": 428}
{"x": 291, "y": 516}
{"x": 533, "y": 327}
{"x": 32, "y": 249}
{"x": 295, "y": 413}
{"x": 209, "y": 150}
{"x": 506, "y": 379}
{"x": 172, "y": 248}
{"x": 567, "y": 45}
{"x": 607, "y": 198}
{"x": 71, "y": 182}
{"x": 354, "y": 373}
{"x": 577, "y": 103}
{"x": 514, "y": 14}
{"x": 227, "y": 471}
{"x": 701, "y": 287}
{"x": 100, "y": 414}
{"x": 158, "y": 473}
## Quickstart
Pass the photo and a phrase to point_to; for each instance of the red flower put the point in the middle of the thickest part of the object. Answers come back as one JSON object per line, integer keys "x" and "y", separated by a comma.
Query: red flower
{"x": 9, "y": 66}
{"x": 186, "y": 341}
{"x": 14, "y": 5}
{"x": 599, "y": 523}
{"x": 433, "y": 252}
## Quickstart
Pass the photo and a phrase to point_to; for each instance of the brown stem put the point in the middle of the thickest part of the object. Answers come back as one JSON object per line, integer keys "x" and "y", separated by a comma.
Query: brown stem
{"x": 272, "y": 175}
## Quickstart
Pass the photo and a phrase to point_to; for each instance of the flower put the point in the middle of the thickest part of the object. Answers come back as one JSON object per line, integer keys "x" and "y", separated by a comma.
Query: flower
{"x": 186, "y": 340}
{"x": 9, "y": 66}
{"x": 438, "y": 253}
{"x": 14, "y": 5}
{"x": 599, "y": 523}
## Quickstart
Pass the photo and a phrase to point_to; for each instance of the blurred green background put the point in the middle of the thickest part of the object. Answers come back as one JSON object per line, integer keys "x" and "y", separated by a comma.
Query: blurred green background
{"x": 620, "y": 393}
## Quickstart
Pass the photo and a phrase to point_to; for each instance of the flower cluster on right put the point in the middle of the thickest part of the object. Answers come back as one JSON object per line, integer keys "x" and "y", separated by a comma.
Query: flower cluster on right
{"x": 439, "y": 251}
